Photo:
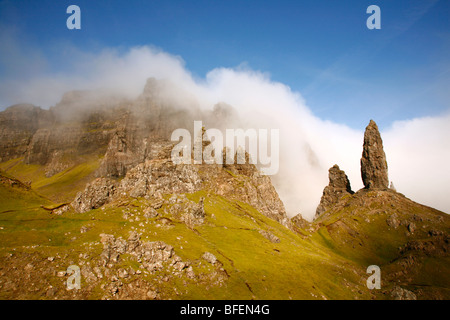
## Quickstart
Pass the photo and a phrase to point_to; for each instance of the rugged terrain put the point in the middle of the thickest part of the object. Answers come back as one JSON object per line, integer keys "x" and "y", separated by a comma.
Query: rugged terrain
{"x": 90, "y": 183}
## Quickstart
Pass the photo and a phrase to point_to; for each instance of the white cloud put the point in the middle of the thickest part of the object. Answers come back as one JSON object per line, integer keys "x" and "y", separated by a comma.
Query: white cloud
{"x": 418, "y": 155}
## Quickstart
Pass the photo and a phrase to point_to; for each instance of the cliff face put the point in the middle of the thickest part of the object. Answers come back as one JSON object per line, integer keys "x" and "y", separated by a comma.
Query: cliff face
{"x": 154, "y": 178}
{"x": 18, "y": 124}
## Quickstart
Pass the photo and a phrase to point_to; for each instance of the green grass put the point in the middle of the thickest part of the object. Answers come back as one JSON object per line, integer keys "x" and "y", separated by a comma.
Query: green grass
{"x": 61, "y": 187}
{"x": 256, "y": 267}
{"x": 329, "y": 263}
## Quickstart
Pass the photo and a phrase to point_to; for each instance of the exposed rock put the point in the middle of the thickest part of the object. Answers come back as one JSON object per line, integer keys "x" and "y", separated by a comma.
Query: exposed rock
{"x": 438, "y": 246}
{"x": 299, "y": 222}
{"x": 194, "y": 213}
{"x": 58, "y": 162}
{"x": 411, "y": 227}
{"x": 12, "y": 182}
{"x": 190, "y": 212}
{"x": 112, "y": 248}
{"x": 152, "y": 295}
{"x": 61, "y": 209}
{"x": 153, "y": 256}
{"x": 393, "y": 221}
{"x": 118, "y": 158}
{"x": 374, "y": 168}
{"x": 269, "y": 236}
{"x": 160, "y": 176}
{"x": 56, "y": 147}
{"x": 96, "y": 194}
{"x": 399, "y": 293}
{"x": 150, "y": 213}
{"x": 338, "y": 186}
{"x": 254, "y": 189}
{"x": 209, "y": 257}
{"x": 435, "y": 233}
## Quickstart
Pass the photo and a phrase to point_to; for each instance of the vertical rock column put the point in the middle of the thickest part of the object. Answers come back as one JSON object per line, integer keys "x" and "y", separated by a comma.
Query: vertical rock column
{"x": 374, "y": 169}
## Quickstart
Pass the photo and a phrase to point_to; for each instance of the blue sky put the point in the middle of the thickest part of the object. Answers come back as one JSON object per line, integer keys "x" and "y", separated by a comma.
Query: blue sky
{"x": 321, "y": 49}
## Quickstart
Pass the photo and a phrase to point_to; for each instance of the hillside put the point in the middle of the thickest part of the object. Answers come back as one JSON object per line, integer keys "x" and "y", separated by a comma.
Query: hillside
{"x": 90, "y": 183}
{"x": 233, "y": 252}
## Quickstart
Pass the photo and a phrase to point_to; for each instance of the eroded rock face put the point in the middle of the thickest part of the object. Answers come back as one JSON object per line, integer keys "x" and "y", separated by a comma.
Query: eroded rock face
{"x": 374, "y": 168}
{"x": 18, "y": 124}
{"x": 119, "y": 157}
{"x": 338, "y": 186}
{"x": 160, "y": 176}
{"x": 96, "y": 194}
{"x": 245, "y": 183}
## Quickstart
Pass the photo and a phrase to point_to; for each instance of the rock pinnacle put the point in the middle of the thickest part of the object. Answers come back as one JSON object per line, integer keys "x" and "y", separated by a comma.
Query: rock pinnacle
{"x": 338, "y": 186}
{"x": 374, "y": 169}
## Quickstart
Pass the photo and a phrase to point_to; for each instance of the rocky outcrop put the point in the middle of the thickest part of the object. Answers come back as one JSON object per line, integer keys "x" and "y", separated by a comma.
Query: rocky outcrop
{"x": 209, "y": 257}
{"x": 398, "y": 293}
{"x": 194, "y": 214}
{"x": 154, "y": 256}
{"x": 299, "y": 222}
{"x": 161, "y": 176}
{"x": 12, "y": 182}
{"x": 269, "y": 236}
{"x": 96, "y": 194}
{"x": 374, "y": 168}
{"x": 338, "y": 186}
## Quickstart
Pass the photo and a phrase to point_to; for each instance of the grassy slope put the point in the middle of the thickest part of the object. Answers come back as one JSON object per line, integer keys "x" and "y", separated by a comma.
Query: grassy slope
{"x": 294, "y": 268}
{"x": 61, "y": 187}
{"x": 329, "y": 263}
{"x": 362, "y": 234}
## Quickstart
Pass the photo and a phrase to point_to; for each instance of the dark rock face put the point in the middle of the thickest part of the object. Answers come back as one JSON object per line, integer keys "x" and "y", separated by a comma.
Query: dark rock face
{"x": 338, "y": 186}
{"x": 18, "y": 124}
{"x": 374, "y": 169}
